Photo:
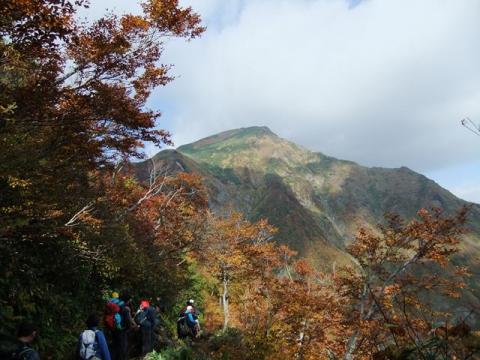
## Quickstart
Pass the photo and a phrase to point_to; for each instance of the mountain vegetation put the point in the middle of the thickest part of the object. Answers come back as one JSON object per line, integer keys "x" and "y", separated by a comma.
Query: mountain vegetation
{"x": 278, "y": 245}
{"x": 317, "y": 202}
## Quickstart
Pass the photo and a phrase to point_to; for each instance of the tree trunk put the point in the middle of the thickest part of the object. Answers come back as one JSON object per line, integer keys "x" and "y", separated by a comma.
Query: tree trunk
{"x": 225, "y": 302}
{"x": 351, "y": 346}
{"x": 301, "y": 341}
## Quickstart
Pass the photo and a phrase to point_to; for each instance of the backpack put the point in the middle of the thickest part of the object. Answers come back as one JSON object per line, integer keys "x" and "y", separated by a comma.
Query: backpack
{"x": 183, "y": 330}
{"x": 12, "y": 349}
{"x": 88, "y": 342}
{"x": 113, "y": 318}
{"x": 22, "y": 354}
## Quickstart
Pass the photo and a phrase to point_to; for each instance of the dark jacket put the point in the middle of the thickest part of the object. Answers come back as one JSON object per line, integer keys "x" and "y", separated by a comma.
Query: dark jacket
{"x": 128, "y": 320}
{"x": 149, "y": 316}
{"x": 25, "y": 352}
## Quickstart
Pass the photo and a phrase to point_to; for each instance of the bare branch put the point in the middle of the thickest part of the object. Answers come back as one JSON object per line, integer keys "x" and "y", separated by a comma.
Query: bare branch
{"x": 155, "y": 188}
{"x": 470, "y": 125}
{"x": 76, "y": 219}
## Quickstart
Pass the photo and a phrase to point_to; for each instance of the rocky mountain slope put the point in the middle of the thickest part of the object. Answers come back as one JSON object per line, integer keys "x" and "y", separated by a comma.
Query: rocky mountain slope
{"x": 317, "y": 202}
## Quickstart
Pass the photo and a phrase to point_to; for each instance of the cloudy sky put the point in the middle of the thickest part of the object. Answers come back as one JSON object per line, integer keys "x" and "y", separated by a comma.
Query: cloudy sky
{"x": 380, "y": 82}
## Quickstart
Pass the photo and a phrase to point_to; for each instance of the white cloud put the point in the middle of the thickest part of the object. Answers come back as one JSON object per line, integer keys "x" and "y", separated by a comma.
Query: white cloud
{"x": 384, "y": 83}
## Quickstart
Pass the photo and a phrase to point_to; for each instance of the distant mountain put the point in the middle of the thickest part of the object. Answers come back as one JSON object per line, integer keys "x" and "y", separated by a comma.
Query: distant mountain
{"x": 317, "y": 202}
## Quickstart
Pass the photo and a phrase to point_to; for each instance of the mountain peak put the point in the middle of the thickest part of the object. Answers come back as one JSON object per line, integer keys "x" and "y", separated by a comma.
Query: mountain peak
{"x": 256, "y": 130}
{"x": 255, "y": 147}
{"x": 225, "y": 135}
{"x": 239, "y": 134}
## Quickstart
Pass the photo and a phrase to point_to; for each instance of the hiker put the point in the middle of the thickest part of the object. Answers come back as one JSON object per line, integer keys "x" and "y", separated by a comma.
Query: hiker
{"x": 92, "y": 344}
{"x": 112, "y": 316}
{"x": 145, "y": 318}
{"x": 119, "y": 323}
{"x": 187, "y": 323}
{"x": 26, "y": 334}
{"x": 192, "y": 318}
{"x": 192, "y": 309}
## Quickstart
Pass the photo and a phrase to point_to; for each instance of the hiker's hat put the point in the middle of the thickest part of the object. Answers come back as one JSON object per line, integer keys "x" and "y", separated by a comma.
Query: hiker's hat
{"x": 144, "y": 304}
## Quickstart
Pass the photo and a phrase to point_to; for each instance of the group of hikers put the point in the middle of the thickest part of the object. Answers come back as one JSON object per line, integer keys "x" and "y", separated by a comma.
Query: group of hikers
{"x": 118, "y": 319}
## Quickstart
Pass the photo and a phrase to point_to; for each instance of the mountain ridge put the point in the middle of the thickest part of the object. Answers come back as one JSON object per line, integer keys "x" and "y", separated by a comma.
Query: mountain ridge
{"x": 265, "y": 130}
{"x": 311, "y": 197}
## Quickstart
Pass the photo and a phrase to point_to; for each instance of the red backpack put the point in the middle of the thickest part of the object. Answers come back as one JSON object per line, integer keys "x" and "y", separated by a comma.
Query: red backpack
{"x": 112, "y": 316}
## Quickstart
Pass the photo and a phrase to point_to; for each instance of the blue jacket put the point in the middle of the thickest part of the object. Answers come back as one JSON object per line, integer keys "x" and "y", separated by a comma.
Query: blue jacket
{"x": 101, "y": 349}
{"x": 191, "y": 319}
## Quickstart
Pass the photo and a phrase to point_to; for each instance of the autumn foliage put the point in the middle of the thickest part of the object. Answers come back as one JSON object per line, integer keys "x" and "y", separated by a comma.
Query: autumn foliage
{"x": 389, "y": 304}
{"x": 404, "y": 273}
{"x": 72, "y": 112}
